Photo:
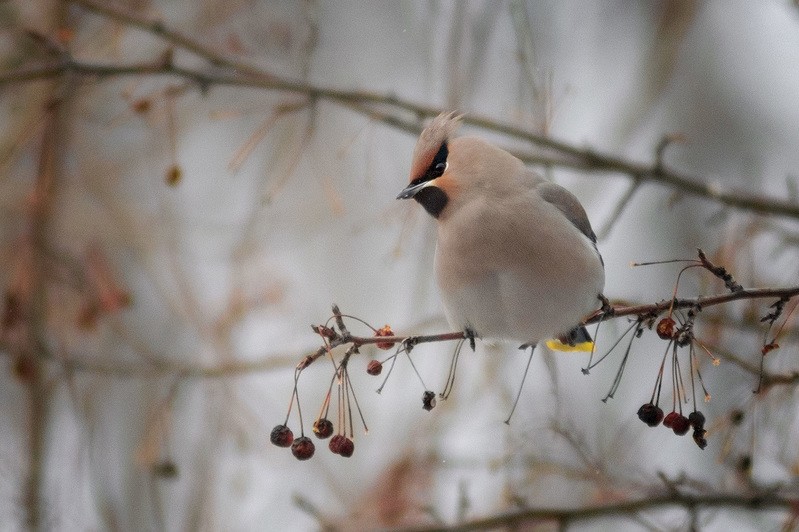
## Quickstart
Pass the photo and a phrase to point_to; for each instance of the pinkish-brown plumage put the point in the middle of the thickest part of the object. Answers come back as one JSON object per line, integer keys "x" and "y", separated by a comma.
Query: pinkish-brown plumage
{"x": 441, "y": 129}
{"x": 516, "y": 258}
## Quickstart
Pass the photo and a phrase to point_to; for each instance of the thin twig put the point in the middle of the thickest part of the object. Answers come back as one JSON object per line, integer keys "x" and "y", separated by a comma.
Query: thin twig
{"x": 557, "y": 153}
{"x": 702, "y": 301}
{"x": 52, "y": 146}
{"x": 157, "y": 27}
{"x": 273, "y": 363}
{"x": 618, "y": 210}
{"x": 585, "y": 159}
{"x": 759, "y": 501}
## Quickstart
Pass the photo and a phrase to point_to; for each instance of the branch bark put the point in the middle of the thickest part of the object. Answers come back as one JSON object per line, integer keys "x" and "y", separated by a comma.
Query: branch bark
{"x": 34, "y": 322}
{"x": 243, "y": 74}
{"x": 566, "y": 516}
{"x": 336, "y": 339}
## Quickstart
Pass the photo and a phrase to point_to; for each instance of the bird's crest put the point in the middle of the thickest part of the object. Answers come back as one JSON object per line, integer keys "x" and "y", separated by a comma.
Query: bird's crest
{"x": 434, "y": 135}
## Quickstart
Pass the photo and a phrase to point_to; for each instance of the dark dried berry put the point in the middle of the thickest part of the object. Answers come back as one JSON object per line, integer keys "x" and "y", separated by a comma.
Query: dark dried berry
{"x": 681, "y": 425}
{"x": 141, "y": 106}
{"x": 165, "y": 469}
{"x": 428, "y": 400}
{"x": 384, "y": 331}
{"x": 744, "y": 464}
{"x": 303, "y": 448}
{"x": 375, "y": 367}
{"x": 25, "y": 368}
{"x": 699, "y": 438}
{"x": 347, "y": 448}
{"x": 768, "y": 348}
{"x": 650, "y": 414}
{"x": 697, "y": 420}
{"x": 335, "y": 443}
{"x": 668, "y": 421}
{"x": 323, "y": 428}
{"x": 281, "y": 436}
{"x": 665, "y": 328}
{"x": 173, "y": 175}
{"x": 12, "y": 312}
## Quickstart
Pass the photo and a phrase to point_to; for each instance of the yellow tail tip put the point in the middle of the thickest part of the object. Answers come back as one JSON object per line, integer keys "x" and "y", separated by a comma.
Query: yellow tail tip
{"x": 557, "y": 345}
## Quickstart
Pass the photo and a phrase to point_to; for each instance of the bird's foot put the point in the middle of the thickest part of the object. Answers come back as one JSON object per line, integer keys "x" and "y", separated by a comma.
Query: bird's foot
{"x": 607, "y": 309}
{"x": 470, "y": 335}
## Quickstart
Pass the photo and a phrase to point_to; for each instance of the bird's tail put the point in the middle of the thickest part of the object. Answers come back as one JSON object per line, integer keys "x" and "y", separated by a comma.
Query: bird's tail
{"x": 577, "y": 339}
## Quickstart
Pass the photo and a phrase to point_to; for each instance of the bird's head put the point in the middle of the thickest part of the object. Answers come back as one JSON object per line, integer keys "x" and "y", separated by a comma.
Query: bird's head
{"x": 431, "y": 181}
{"x": 449, "y": 172}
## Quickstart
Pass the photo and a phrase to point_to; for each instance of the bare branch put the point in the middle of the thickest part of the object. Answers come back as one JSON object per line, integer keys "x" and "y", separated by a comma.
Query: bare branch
{"x": 26, "y": 299}
{"x": 701, "y": 302}
{"x": 759, "y": 501}
{"x": 242, "y": 74}
{"x": 222, "y": 69}
{"x": 157, "y": 27}
{"x": 336, "y": 339}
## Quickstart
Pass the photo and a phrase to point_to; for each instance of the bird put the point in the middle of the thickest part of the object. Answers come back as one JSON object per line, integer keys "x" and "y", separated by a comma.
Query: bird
{"x": 516, "y": 258}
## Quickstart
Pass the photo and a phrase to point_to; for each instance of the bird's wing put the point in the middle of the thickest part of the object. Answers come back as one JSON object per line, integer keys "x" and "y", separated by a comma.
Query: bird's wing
{"x": 568, "y": 205}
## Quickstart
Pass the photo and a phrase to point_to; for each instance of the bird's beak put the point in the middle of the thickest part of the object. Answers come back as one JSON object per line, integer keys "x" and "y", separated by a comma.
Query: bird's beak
{"x": 410, "y": 191}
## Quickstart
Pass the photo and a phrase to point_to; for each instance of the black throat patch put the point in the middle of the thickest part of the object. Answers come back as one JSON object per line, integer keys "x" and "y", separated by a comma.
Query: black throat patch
{"x": 433, "y": 199}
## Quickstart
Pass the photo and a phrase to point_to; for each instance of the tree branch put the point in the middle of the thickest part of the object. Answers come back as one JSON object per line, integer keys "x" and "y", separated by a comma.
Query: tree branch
{"x": 156, "y": 26}
{"x": 685, "y": 303}
{"x": 34, "y": 295}
{"x": 335, "y": 339}
{"x": 565, "y": 516}
{"x": 243, "y": 74}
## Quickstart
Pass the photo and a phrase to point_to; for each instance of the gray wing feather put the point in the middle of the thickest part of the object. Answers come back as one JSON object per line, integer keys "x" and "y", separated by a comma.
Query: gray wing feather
{"x": 569, "y": 205}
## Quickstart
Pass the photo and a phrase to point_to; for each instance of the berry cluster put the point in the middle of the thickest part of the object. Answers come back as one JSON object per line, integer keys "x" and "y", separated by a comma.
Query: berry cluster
{"x": 323, "y": 428}
{"x": 302, "y": 448}
{"x": 341, "y": 442}
{"x": 650, "y": 413}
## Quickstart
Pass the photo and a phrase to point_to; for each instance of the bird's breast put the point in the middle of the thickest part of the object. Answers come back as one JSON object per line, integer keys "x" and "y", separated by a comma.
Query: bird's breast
{"x": 512, "y": 279}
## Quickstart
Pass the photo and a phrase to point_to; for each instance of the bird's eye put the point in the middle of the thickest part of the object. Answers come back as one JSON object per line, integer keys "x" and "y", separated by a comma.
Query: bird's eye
{"x": 439, "y": 163}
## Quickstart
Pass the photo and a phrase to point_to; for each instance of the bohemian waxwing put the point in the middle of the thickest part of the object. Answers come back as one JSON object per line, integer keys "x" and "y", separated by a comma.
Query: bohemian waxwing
{"x": 516, "y": 258}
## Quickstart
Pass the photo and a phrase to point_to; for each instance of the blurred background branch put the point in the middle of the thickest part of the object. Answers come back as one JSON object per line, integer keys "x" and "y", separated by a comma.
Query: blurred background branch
{"x": 274, "y": 362}
{"x": 564, "y": 518}
{"x": 185, "y": 186}
{"x": 245, "y": 75}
